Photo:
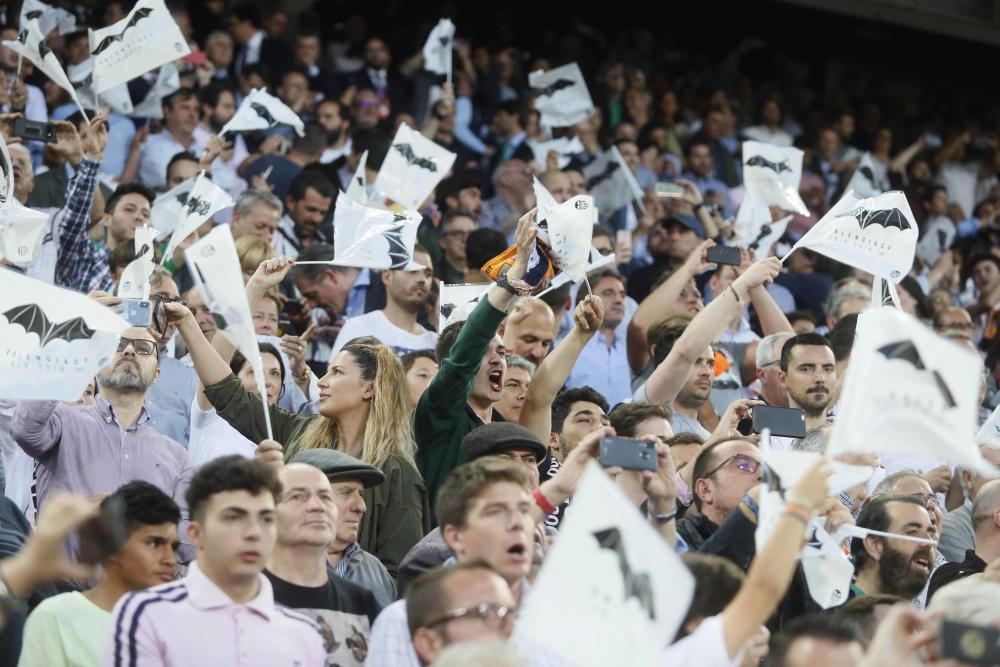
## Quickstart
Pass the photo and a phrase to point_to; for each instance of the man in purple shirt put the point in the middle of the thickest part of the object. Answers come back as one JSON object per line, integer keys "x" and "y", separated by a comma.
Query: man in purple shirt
{"x": 95, "y": 449}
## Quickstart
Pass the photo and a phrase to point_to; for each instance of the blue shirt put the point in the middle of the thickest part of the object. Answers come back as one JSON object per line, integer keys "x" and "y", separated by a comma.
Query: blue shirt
{"x": 603, "y": 368}
{"x": 358, "y": 294}
{"x": 168, "y": 400}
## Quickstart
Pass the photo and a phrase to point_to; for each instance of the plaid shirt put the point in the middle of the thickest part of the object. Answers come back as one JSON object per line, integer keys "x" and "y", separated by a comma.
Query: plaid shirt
{"x": 81, "y": 265}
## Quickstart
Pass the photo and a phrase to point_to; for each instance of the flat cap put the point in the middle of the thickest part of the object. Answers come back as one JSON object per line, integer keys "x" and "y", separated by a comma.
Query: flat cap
{"x": 338, "y": 466}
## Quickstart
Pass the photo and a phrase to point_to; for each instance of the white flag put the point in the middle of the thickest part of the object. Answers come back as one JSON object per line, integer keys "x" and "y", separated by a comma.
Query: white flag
{"x": 938, "y": 236}
{"x": 168, "y": 209}
{"x": 49, "y": 18}
{"x": 611, "y": 183}
{"x": 142, "y": 41}
{"x": 168, "y": 82}
{"x": 134, "y": 283}
{"x": 215, "y": 267}
{"x": 437, "y": 49}
{"x": 827, "y": 568}
{"x": 358, "y": 188}
{"x": 54, "y": 340}
{"x": 205, "y": 200}
{"x": 909, "y": 391}
{"x": 455, "y": 302}
{"x": 884, "y": 293}
{"x": 870, "y": 179}
{"x": 260, "y": 111}
{"x": 877, "y": 235}
{"x": 790, "y": 465}
{"x": 561, "y": 96}
{"x": 6, "y": 176}
{"x": 771, "y": 175}
{"x": 597, "y": 261}
{"x": 611, "y": 591}
{"x": 990, "y": 430}
{"x": 566, "y": 148}
{"x": 413, "y": 168}
{"x": 759, "y": 235}
{"x": 82, "y": 78}
{"x": 21, "y": 232}
{"x": 544, "y": 201}
{"x": 373, "y": 238}
{"x": 570, "y": 228}
{"x": 31, "y": 44}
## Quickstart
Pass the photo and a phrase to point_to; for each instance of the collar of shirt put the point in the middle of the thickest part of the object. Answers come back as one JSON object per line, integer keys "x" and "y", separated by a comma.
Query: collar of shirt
{"x": 204, "y": 594}
{"x": 107, "y": 412}
{"x": 345, "y": 560}
{"x": 255, "y": 42}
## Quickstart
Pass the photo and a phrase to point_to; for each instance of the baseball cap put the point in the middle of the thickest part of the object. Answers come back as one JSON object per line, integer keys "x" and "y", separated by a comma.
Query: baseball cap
{"x": 688, "y": 221}
{"x": 338, "y": 466}
{"x": 499, "y": 437}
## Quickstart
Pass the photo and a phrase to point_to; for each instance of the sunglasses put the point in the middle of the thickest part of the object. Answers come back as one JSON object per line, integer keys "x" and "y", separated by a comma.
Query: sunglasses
{"x": 743, "y": 463}
{"x": 142, "y": 347}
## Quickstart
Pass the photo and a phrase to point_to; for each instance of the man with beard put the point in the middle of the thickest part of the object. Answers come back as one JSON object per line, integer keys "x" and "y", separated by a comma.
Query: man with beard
{"x": 809, "y": 371}
{"x": 338, "y": 142}
{"x": 310, "y": 197}
{"x": 891, "y": 566}
{"x": 94, "y": 449}
{"x": 218, "y": 106}
{"x": 396, "y": 325}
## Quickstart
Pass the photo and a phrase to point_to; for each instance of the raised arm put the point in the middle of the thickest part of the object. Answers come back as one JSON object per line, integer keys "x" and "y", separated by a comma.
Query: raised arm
{"x": 899, "y": 162}
{"x": 37, "y": 427}
{"x": 536, "y": 415}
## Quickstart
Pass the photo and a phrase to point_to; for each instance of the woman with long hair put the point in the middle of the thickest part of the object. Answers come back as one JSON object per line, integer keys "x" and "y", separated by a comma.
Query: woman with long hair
{"x": 362, "y": 412}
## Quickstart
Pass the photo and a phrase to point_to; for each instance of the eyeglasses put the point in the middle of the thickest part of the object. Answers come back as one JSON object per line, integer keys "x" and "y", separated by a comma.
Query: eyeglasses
{"x": 493, "y": 615}
{"x": 142, "y": 347}
{"x": 605, "y": 251}
{"x": 743, "y": 463}
{"x": 928, "y": 499}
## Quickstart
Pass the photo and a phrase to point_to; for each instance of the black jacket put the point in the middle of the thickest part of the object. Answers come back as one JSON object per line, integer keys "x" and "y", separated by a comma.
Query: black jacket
{"x": 950, "y": 572}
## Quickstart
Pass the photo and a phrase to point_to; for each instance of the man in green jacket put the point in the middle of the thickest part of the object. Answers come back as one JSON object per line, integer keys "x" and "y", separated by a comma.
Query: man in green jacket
{"x": 462, "y": 395}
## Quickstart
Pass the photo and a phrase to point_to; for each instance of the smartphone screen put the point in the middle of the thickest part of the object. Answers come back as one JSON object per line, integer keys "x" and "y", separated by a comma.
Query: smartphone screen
{"x": 30, "y": 130}
{"x": 628, "y": 453}
{"x": 724, "y": 254}
{"x": 785, "y": 422}
{"x": 137, "y": 312}
{"x": 672, "y": 190}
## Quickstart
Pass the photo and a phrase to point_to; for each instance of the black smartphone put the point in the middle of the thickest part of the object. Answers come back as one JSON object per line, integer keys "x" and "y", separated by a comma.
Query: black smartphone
{"x": 31, "y": 130}
{"x": 137, "y": 312}
{"x": 786, "y": 422}
{"x": 628, "y": 453}
{"x": 969, "y": 644}
{"x": 724, "y": 254}
{"x": 103, "y": 535}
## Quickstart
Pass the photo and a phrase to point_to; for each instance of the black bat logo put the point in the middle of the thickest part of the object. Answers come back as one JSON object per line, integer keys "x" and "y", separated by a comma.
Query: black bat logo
{"x": 32, "y": 15}
{"x": 264, "y": 113}
{"x": 942, "y": 236}
{"x": 197, "y": 205}
{"x": 905, "y": 350}
{"x": 553, "y": 87}
{"x": 33, "y": 319}
{"x": 412, "y": 158}
{"x": 866, "y": 171}
{"x": 636, "y": 585}
{"x": 444, "y": 40}
{"x": 609, "y": 170}
{"x": 761, "y": 235}
{"x": 886, "y": 295}
{"x": 777, "y": 167}
{"x": 23, "y": 36}
{"x": 889, "y": 217}
{"x": 111, "y": 39}
{"x": 43, "y": 50}
{"x": 398, "y": 256}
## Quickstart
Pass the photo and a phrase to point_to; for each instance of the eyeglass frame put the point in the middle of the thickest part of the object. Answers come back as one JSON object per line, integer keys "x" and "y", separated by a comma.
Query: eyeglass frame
{"x": 731, "y": 458}
{"x": 481, "y": 612}
{"x": 926, "y": 500}
{"x": 133, "y": 341}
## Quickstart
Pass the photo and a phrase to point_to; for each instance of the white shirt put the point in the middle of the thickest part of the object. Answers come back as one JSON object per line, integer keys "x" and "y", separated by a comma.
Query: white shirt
{"x": 705, "y": 647}
{"x": 377, "y": 324}
{"x": 333, "y": 154}
{"x": 766, "y": 135}
{"x": 156, "y": 153}
{"x": 212, "y": 437}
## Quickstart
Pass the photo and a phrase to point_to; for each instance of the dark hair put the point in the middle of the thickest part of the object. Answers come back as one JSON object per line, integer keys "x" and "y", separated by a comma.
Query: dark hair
{"x": 597, "y": 277}
{"x": 875, "y": 516}
{"x": 806, "y": 339}
{"x": 452, "y": 186}
{"x": 932, "y": 190}
{"x": 77, "y": 119}
{"x": 861, "y": 613}
{"x": 601, "y": 230}
{"x": 983, "y": 257}
{"x": 468, "y": 481}
{"x": 842, "y": 336}
{"x": 717, "y": 580}
{"x": 246, "y": 11}
{"x": 697, "y": 141}
{"x": 211, "y": 93}
{"x": 183, "y": 156}
{"x": 806, "y": 315}
{"x": 310, "y": 178}
{"x": 410, "y": 358}
{"x": 565, "y": 399}
{"x": 143, "y": 505}
{"x": 830, "y": 627}
{"x": 238, "y": 361}
{"x": 312, "y": 142}
{"x": 128, "y": 189}
{"x": 914, "y": 289}
{"x": 124, "y": 253}
{"x": 626, "y": 417}
{"x": 483, "y": 245}
{"x": 180, "y": 95}
{"x": 315, "y": 252}
{"x": 450, "y": 216}
{"x": 515, "y": 108}
{"x": 372, "y": 140}
{"x": 426, "y": 600}
{"x": 665, "y": 334}
{"x": 446, "y": 339}
{"x": 229, "y": 473}
{"x": 685, "y": 438}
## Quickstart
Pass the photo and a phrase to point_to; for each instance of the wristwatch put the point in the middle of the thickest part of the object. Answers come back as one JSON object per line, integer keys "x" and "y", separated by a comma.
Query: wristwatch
{"x": 660, "y": 519}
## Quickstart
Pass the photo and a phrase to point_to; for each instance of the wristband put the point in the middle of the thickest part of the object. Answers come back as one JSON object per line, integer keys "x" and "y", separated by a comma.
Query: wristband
{"x": 660, "y": 519}
{"x": 542, "y": 501}
{"x": 749, "y": 502}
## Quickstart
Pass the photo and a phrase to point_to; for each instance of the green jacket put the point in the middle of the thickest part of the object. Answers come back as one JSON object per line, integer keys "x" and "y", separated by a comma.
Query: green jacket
{"x": 397, "y": 516}
{"x": 443, "y": 416}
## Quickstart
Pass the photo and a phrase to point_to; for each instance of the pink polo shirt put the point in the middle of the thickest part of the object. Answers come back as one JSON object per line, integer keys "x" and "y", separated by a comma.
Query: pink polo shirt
{"x": 192, "y": 622}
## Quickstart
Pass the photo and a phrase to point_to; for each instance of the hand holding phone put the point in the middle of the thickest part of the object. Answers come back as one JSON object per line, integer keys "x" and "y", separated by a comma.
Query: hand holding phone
{"x": 669, "y": 190}
{"x": 31, "y": 130}
{"x": 137, "y": 312}
{"x": 784, "y": 422}
{"x": 628, "y": 453}
{"x": 724, "y": 254}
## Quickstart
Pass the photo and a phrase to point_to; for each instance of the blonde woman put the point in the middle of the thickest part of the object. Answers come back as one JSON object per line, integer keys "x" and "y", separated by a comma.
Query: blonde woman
{"x": 363, "y": 412}
{"x": 253, "y": 251}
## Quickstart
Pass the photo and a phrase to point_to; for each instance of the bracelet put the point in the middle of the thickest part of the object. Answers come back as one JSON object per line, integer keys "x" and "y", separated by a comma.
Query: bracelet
{"x": 735, "y": 295}
{"x": 304, "y": 377}
{"x": 749, "y": 502}
{"x": 660, "y": 519}
{"x": 542, "y": 501}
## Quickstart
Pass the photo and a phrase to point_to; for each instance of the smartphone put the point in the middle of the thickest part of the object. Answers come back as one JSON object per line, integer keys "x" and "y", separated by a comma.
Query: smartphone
{"x": 623, "y": 239}
{"x": 969, "y": 644}
{"x": 196, "y": 58}
{"x": 137, "y": 312}
{"x": 671, "y": 190}
{"x": 786, "y": 422}
{"x": 31, "y": 130}
{"x": 628, "y": 453}
{"x": 103, "y": 535}
{"x": 724, "y": 254}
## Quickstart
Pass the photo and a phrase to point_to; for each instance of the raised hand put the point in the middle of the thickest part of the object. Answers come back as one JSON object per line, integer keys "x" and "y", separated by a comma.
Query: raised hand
{"x": 270, "y": 273}
{"x": 95, "y": 138}
{"x": 660, "y": 486}
{"x": 270, "y": 453}
{"x": 759, "y": 273}
{"x": 812, "y": 489}
{"x": 697, "y": 262}
{"x": 589, "y": 314}
{"x": 67, "y": 143}
{"x": 524, "y": 237}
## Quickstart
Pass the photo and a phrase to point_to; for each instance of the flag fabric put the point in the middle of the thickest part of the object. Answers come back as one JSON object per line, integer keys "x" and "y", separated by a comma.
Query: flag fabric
{"x": 877, "y": 235}
{"x": 569, "y": 232}
{"x": 910, "y": 392}
{"x": 611, "y": 183}
{"x": 597, "y": 261}
{"x": 564, "y": 147}
{"x": 561, "y": 96}
{"x": 358, "y": 188}
{"x": 437, "y": 49}
{"x": 54, "y": 340}
{"x": 134, "y": 283}
{"x": 771, "y": 176}
{"x": 939, "y": 234}
{"x": 6, "y": 176}
{"x": 215, "y": 267}
{"x": 168, "y": 209}
{"x": 168, "y": 82}
{"x": 611, "y": 591}
{"x": 413, "y": 168}
{"x": 203, "y": 201}
{"x": 989, "y": 432}
{"x": 260, "y": 111}
{"x": 870, "y": 179}
{"x": 142, "y": 41}
{"x": 368, "y": 237}
{"x": 544, "y": 201}
{"x": 31, "y": 44}
{"x": 455, "y": 302}
{"x": 82, "y": 78}
{"x": 755, "y": 231}
{"x": 48, "y": 17}
{"x": 21, "y": 232}
{"x": 790, "y": 465}
{"x": 827, "y": 568}
{"x": 884, "y": 293}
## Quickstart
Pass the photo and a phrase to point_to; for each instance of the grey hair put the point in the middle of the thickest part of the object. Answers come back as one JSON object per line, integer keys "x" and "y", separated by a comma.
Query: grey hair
{"x": 517, "y": 361}
{"x": 158, "y": 274}
{"x": 885, "y": 487}
{"x": 492, "y": 653}
{"x": 970, "y": 600}
{"x": 251, "y": 197}
{"x": 769, "y": 348}
{"x": 816, "y": 440}
{"x": 838, "y": 298}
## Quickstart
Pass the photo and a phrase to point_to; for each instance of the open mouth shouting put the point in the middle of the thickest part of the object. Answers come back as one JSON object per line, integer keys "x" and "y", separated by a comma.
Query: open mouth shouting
{"x": 495, "y": 378}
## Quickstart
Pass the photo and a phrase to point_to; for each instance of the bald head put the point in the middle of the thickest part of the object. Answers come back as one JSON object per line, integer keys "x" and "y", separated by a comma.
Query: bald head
{"x": 529, "y": 329}
{"x": 558, "y": 185}
{"x": 986, "y": 511}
